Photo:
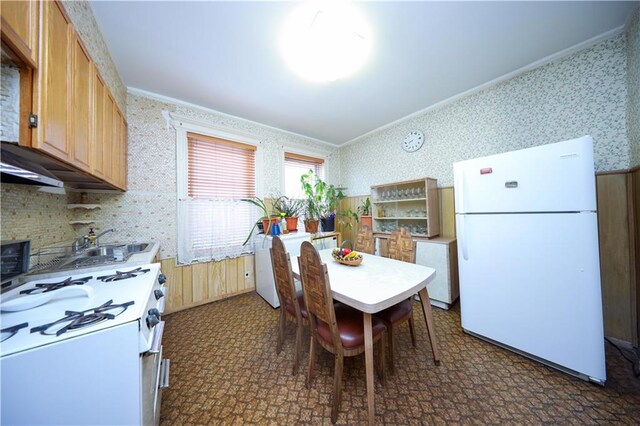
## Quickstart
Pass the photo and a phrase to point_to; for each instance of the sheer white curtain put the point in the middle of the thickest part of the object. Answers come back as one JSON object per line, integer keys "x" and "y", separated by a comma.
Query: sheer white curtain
{"x": 213, "y": 229}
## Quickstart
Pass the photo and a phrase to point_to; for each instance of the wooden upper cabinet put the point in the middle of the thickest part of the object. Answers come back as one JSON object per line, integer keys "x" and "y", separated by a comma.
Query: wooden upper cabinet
{"x": 115, "y": 155}
{"x": 99, "y": 93}
{"x": 20, "y": 28}
{"x": 54, "y": 84}
{"x": 124, "y": 135}
{"x": 108, "y": 147}
{"x": 80, "y": 129}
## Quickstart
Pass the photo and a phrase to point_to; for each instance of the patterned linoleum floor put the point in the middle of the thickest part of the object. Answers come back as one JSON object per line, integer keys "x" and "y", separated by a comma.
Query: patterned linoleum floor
{"x": 225, "y": 370}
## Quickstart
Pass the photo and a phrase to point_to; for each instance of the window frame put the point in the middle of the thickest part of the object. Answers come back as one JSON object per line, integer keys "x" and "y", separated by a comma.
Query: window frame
{"x": 284, "y": 149}
{"x": 184, "y": 126}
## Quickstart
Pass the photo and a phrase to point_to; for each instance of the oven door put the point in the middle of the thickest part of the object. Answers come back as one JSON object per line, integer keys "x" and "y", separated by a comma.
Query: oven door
{"x": 155, "y": 377}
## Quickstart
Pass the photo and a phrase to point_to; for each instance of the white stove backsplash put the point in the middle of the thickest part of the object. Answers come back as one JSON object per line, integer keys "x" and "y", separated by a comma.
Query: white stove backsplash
{"x": 10, "y": 103}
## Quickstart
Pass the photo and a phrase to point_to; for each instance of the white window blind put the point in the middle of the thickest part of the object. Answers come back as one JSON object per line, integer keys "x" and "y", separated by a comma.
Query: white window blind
{"x": 215, "y": 222}
{"x": 295, "y": 165}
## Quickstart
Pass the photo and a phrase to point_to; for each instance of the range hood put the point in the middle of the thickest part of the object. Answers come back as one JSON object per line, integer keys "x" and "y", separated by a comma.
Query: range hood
{"x": 17, "y": 169}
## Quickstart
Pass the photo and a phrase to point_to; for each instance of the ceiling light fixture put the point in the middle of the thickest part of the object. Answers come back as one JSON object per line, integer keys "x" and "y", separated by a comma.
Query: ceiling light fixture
{"x": 325, "y": 40}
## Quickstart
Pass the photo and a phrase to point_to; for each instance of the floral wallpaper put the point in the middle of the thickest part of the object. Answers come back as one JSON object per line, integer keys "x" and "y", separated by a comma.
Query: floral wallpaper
{"x": 584, "y": 93}
{"x": 633, "y": 83}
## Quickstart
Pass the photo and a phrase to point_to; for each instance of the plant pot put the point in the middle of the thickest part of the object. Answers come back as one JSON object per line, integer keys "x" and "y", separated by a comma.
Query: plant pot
{"x": 265, "y": 224}
{"x": 366, "y": 220}
{"x": 311, "y": 225}
{"x": 328, "y": 224}
{"x": 292, "y": 223}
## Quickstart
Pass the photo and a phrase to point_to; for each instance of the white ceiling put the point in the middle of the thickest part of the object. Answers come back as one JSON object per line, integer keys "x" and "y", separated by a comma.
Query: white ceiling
{"x": 225, "y": 56}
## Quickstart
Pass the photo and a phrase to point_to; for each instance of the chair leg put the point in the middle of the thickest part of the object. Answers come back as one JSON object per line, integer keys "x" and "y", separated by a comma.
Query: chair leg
{"x": 281, "y": 321}
{"x": 412, "y": 330}
{"x": 296, "y": 359}
{"x": 312, "y": 351}
{"x": 381, "y": 363}
{"x": 337, "y": 387}
{"x": 391, "y": 359}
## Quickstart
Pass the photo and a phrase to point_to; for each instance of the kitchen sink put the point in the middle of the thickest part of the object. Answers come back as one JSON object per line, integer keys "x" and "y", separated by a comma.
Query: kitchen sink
{"x": 96, "y": 256}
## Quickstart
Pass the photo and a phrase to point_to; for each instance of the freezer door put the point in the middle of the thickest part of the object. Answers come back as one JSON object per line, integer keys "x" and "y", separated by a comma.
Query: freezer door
{"x": 549, "y": 178}
{"x": 532, "y": 282}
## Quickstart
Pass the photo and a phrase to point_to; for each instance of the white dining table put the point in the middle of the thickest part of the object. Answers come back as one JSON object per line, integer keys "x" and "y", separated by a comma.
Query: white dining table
{"x": 374, "y": 285}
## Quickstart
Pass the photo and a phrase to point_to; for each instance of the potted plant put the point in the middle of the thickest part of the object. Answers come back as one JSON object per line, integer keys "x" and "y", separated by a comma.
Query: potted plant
{"x": 364, "y": 210}
{"x": 266, "y": 223}
{"x": 322, "y": 199}
{"x": 291, "y": 209}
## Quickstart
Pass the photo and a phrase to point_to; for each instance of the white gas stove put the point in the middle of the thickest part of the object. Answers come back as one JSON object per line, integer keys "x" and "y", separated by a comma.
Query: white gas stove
{"x": 86, "y": 347}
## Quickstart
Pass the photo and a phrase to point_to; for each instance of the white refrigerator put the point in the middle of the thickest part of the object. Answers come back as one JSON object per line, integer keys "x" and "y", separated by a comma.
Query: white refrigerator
{"x": 528, "y": 254}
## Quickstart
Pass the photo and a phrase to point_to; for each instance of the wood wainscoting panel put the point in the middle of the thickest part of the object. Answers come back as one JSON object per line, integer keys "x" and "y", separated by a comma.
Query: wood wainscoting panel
{"x": 174, "y": 283}
{"x": 205, "y": 282}
{"x": 614, "y": 255}
{"x": 447, "y": 212}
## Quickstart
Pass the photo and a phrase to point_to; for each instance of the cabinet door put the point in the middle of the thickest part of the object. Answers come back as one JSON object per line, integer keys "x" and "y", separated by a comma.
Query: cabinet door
{"x": 54, "y": 81}
{"x": 80, "y": 130}
{"x": 99, "y": 91}
{"x": 107, "y": 143}
{"x": 123, "y": 154}
{"x": 20, "y": 28}
{"x": 115, "y": 159}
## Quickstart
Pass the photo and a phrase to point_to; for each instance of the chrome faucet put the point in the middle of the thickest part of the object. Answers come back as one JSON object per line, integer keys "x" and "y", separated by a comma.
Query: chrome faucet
{"x": 97, "y": 239}
{"x": 80, "y": 243}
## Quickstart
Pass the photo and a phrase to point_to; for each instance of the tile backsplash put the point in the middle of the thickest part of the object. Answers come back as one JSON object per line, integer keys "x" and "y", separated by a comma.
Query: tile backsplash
{"x": 30, "y": 214}
{"x": 10, "y": 103}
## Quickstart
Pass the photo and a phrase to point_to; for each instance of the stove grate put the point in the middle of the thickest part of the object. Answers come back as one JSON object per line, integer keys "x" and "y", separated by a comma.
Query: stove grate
{"x": 47, "y": 287}
{"x": 9, "y": 332}
{"x": 123, "y": 275}
{"x": 74, "y": 320}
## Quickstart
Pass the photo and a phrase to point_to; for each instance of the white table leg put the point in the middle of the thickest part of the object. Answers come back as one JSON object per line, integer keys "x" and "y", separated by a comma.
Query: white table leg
{"x": 428, "y": 319}
{"x": 368, "y": 356}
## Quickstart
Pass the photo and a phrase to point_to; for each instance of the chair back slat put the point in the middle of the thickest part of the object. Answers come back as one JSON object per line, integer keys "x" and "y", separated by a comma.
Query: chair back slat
{"x": 315, "y": 284}
{"x": 401, "y": 246}
{"x": 364, "y": 240}
{"x": 282, "y": 273}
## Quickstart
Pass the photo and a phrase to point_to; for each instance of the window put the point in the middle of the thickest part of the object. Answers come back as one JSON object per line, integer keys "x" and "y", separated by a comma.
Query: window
{"x": 295, "y": 165}
{"x": 213, "y": 221}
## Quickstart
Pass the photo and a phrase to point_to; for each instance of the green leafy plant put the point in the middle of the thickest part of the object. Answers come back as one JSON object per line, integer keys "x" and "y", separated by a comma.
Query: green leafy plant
{"x": 322, "y": 199}
{"x": 347, "y": 218}
{"x": 364, "y": 209}
{"x": 291, "y": 207}
{"x": 265, "y": 215}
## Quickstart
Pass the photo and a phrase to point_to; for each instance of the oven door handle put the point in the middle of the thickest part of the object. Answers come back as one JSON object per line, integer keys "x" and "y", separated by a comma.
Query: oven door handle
{"x": 164, "y": 373}
{"x": 156, "y": 345}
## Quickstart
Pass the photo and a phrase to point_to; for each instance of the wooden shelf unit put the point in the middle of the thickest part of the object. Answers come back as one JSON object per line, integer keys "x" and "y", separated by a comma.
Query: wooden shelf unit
{"x": 413, "y": 204}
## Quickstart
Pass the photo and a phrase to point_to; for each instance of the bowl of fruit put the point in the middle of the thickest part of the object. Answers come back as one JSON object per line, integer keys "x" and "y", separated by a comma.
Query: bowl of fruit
{"x": 346, "y": 255}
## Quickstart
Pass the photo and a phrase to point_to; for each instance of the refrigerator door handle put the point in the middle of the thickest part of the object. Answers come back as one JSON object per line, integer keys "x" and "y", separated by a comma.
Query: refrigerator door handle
{"x": 463, "y": 237}
{"x": 459, "y": 195}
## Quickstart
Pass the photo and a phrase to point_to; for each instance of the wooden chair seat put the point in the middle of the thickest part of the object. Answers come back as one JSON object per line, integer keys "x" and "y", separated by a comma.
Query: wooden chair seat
{"x": 291, "y": 302}
{"x": 350, "y": 327}
{"x": 401, "y": 247}
{"x": 336, "y": 327}
{"x": 397, "y": 313}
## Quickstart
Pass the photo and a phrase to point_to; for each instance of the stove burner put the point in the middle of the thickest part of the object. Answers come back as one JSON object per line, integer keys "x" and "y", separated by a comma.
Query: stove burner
{"x": 47, "y": 287}
{"x": 76, "y": 320}
{"x": 123, "y": 275}
{"x": 9, "y": 332}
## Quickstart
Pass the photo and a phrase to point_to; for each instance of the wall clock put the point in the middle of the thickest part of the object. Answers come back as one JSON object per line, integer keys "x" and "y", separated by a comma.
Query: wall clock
{"x": 413, "y": 141}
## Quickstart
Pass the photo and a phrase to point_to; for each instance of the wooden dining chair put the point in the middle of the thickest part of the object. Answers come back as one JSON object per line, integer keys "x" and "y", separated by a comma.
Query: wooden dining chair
{"x": 400, "y": 247}
{"x": 337, "y": 328}
{"x": 364, "y": 240}
{"x": 291, "y": 302}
